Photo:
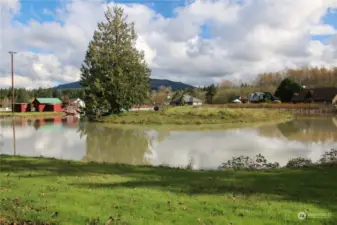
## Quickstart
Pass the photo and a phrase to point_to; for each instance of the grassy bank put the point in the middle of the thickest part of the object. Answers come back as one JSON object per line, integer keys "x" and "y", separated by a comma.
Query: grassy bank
{"x": 192, "y": 127}
{"x": 66, "y": 192}
{"x": 31, "y": 115}
{"x": 271, "y": 106}
{"x": 188, "y": 115}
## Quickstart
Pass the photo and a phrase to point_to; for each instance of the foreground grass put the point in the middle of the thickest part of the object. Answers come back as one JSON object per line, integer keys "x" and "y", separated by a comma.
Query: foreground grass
{"x": 66, "y": 192}
{"x": 186, "y": 115}
{"x": 29, "y": 115}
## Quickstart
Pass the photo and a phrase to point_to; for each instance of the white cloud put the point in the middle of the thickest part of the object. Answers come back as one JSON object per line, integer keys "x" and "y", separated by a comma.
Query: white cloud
{"x": 247, "y": 38}
{"x": 48, "y": 141}
{"x": 323, "y": 29}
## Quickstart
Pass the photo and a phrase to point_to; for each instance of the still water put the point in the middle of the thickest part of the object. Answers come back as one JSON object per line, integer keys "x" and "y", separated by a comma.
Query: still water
{"x": 67, "y": 138}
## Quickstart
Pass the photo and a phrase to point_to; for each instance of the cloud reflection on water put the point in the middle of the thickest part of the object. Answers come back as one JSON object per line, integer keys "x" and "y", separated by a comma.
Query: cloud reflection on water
{"x": 207, "y": 150}
{"x": 210, "y": 149}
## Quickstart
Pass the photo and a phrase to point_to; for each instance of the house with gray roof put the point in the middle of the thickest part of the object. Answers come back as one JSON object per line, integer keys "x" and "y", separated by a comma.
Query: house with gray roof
{"x": 187, "y": 99}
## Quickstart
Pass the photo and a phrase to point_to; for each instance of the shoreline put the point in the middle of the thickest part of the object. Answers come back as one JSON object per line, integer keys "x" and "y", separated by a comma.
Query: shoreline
{"x": 301, "y": 109}
{"x": 31, "y": 115}
{"x": 201, "y": 116}
{"x": 193, "y": 127}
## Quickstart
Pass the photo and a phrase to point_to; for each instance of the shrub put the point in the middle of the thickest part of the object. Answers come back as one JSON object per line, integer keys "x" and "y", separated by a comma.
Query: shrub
{"x": 245, "y": 162}
{"x": 299, "y": 163}
{"x": 329, "y": 157}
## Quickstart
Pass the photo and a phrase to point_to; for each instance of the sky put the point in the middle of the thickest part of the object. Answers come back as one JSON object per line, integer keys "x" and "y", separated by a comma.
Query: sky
{"x": 197, "y": 42}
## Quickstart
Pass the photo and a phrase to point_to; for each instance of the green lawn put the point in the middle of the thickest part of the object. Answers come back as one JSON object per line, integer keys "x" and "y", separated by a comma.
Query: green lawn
{"x": 188, "y": 115}
{"x": 28, "y": 115}
{"x": 66, "y": 192}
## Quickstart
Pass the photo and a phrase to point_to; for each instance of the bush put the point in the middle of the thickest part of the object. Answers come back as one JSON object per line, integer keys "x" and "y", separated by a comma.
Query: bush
{"x": 329, "y": 157}
{"x": 299, "y": 163}
{"x": 245, "y": 162}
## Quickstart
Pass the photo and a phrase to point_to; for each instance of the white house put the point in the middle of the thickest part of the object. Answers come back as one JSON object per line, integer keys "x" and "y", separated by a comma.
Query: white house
{"x": 77, "y": 102}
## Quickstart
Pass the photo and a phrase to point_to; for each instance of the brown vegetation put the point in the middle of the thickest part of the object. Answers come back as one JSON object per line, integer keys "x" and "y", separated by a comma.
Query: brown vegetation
{"x": 310, "y": 77}
{"x": 159, "y": 97}
{"x": 268, "y": 82}
{"x": 270, "y": 105}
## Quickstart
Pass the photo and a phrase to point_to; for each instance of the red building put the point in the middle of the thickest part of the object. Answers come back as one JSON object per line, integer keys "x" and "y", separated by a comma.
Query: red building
{"x": 47, "y": 105}
{"x": 21, "y": 107}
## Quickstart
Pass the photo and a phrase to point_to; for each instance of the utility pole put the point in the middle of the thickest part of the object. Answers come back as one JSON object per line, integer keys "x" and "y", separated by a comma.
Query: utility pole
{"x": 12, "y": 62}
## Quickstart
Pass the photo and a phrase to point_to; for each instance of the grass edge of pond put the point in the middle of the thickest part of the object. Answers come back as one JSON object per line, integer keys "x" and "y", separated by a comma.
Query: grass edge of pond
{"x": 154, "y": 191}
{"x": 197, "y": 116}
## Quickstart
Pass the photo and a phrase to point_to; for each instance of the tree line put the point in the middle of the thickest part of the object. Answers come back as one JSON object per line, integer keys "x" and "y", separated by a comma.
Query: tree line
{"x": 224, "y": 92}
{"x": 293, "y": 79}
{"x": 309, "y": 77}
{"x": 22, "y": 95}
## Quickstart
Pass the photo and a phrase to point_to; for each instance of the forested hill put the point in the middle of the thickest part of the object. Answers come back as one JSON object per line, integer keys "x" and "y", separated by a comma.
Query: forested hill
{"x": 155, "y": 84}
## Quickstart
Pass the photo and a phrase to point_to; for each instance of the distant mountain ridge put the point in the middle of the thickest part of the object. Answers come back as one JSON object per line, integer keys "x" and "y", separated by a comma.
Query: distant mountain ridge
{"x": 155, "y": 84}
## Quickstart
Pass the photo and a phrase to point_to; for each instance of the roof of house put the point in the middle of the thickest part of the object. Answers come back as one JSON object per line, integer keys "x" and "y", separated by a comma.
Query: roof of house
{"x": 75, "y": 99}
{"x": 324, "y": 94}
{"x": 188, "y": 98}
{"x": 49, "y": 100}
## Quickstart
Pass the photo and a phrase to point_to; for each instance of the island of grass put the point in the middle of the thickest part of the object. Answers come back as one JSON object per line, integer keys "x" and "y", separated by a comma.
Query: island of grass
{"x": 50, "y": 191}
{"x": 31, "y": 115}
{"x": 189, "y": 115}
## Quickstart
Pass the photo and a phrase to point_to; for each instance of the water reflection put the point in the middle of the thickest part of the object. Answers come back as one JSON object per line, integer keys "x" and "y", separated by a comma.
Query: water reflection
{"x": 50, "y": 138}
{"x": 114, "y": 145}
{"x": 321, "y": 129}
{"x": 66, "y": 138}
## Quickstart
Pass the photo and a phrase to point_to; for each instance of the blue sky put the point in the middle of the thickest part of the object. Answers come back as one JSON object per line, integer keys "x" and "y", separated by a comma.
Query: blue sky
{"x": 330, "y": 18}
{"x": 34, "y": 9}
{"x": 38, "y": 10}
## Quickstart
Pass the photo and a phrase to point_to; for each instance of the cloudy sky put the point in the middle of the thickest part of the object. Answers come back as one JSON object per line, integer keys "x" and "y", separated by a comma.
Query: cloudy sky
{"x": 197, "y": 42}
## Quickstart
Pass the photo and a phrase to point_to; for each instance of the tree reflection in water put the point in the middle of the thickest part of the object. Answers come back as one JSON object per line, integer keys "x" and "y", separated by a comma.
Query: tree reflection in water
{"x": 320, "y": 129}
{"x": 116, "y": 145}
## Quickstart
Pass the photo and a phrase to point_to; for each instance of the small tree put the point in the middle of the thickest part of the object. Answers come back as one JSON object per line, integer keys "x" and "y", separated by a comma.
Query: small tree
{"x": 176, "y": 95}
{"x": 191, "y": 91}
{"x": 158, "y": 97}
{"x": 65, "y": 100}
{"x": 114, "y": 75}
{"x": 182, "y": 100}
{"x": 287, "y": 89}
{"x": 210, "y": 93}
{"x": 5, "y": 102}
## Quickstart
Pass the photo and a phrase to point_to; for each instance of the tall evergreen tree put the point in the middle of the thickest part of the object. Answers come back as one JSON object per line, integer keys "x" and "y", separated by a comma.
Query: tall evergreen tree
{"x": 287, "y": 89}
{"x": 115, "y": 75}
{"x": 210, "y": 93}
